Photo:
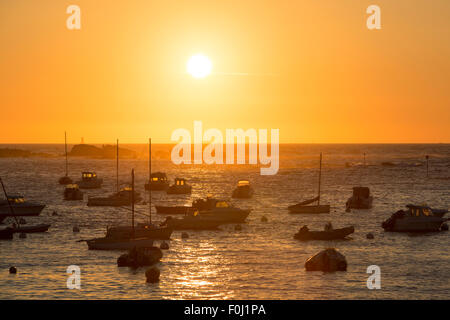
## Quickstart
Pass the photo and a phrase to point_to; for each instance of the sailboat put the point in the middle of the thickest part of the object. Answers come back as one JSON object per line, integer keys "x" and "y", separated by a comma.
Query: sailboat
{"x": 65, "y": 180}
{"x": 305, "y": 207}
{"x": 112, "y": 241}
{"x": 17, "y": 228}
{"x": 120, "y": 197}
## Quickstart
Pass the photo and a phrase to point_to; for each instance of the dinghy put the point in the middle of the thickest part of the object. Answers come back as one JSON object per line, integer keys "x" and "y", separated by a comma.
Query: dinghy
{"x": 304, "y": 234}
{"x": 31, "y": 229}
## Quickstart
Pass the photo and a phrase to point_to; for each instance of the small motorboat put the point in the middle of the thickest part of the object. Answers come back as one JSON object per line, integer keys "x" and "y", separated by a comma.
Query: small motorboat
{"x": 414, "y": 219}
{"x": 174, "y": 209}
{"x": 31, "y": 229}
{"x": 243, "y": 190}
{"x": 20, "y": 207}
{"x": 191, "y": 222}
{"x": 6, "y": 233}
{"x": 304, "y": 234}
{"x": 224, "y": 212}
{"x": 73, "y": 192}
{"x": 179, "y": 187}
{"x": 118, "y": 199}
{"x": 361, "y": 199}
{"x": 89, "y": 180}
{"x": 158, "y": 182}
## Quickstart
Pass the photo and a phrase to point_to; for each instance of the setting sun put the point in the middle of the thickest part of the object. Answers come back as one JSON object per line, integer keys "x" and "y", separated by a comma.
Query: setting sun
{"x": 199, "y": 66}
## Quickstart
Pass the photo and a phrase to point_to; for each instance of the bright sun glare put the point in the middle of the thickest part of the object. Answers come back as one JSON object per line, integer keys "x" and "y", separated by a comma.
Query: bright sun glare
{"x": 199, "y": 66}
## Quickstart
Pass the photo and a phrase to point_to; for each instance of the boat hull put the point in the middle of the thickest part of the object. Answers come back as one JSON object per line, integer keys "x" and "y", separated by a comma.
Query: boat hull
{"x": 122, "y": 244}
{"x": 309, "y": 209}
{"x": 32, "y": 229}
{"x": 242, "y": 193}
{"x": 173, "y": 210}
{"x": 179, "y": 190}
{"x": 335, "y": 234}
{"x": 359, "y": 203}
{"x": 21, "y": 210}
{"x": 126, "y": 232}
{"x": 226, "y": 215}
{"x": 160, "y": 186}
{"x": 414, "y": 224}
{"x": 96, "y": 184}
{"x": 6, "y": 234}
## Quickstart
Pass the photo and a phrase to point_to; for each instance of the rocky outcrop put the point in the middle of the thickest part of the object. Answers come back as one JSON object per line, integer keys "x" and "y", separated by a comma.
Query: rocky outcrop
{"x": 106, "y": 152}
{"x": 328, "y": 260}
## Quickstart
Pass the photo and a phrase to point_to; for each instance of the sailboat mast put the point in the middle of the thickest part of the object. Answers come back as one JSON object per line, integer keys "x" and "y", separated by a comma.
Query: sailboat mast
{"x": 320, "y": 177}
{"x": 65, "y": 148}
{"x": 150, "y": 180}
{"x": 117, "y": 167}
{"x": 132, "y": 202}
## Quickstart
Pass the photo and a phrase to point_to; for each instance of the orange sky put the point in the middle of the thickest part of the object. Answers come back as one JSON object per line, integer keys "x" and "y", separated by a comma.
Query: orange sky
{"x": 309, "y": 68}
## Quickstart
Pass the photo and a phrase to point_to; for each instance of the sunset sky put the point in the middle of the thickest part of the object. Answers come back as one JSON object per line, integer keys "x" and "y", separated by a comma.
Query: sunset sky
{"x": 309, "y": 68}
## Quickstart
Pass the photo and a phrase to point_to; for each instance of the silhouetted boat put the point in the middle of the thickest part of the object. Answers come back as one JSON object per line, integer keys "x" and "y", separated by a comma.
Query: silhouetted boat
{"x": 191, "y": 222}
{"x": 17, "y": 227}
{"x": 158, "y": 182}
{"x": 89, "y": 180}
{"x": 305, "y": 234}
{"x": 179, "y": 187}
{"x": 31, "y": 229}
{"x": 20, "y": 206}
{"x": 65, "y": 179}
{"x": 224, "y": 212}
{"x": 361, "y": 199}
{"x": 118, "y": 199}
{"x": 243, "y": 190}
{"x": 121, "y": 238}
{"x": 73, "y": 192}
{"x": 304, "y": 207}
{"x": 414, "y": 219}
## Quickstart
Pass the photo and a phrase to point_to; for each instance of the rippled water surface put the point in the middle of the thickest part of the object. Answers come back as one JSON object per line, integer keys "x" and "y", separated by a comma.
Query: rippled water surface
{"x": 262, "y": 261}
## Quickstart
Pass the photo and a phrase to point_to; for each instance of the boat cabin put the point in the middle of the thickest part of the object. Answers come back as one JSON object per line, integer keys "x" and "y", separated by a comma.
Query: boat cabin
{"x": 88, "y": 175}
{"x": 222, "y": 204}
{"x": 158, "y": 177}
{"x": 16, "y": 199}
{"x": 363, "y": 192}
{"x": 180, "y": 182}
{"x": 418, "y": 211}
{"x": 243, "y": 183}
